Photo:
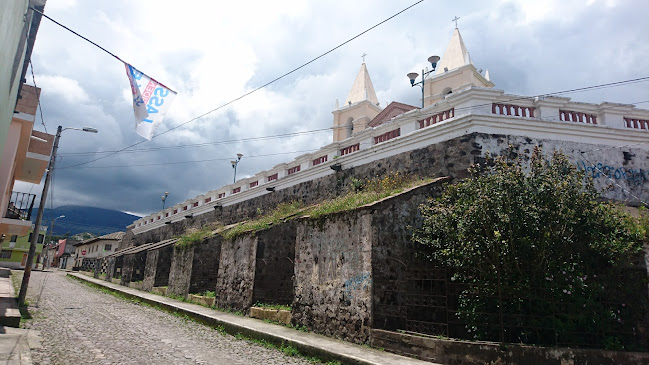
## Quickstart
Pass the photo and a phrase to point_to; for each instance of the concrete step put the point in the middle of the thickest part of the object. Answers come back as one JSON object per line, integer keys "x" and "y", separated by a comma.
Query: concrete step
{"x": 9, "y": 313}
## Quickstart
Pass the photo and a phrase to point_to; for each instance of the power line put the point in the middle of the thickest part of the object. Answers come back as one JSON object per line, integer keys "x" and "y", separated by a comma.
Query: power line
{"x": 191, "y": 161}
{"x": 205, "y": 144}
{"x": 38, "y": 98}
{"x": 240, "y": 97}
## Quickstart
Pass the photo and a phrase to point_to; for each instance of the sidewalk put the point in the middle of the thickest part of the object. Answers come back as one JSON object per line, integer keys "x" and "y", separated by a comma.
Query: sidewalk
{"x": 9, "y": 313}
{"x": 308, "y": 343}
{"x": 15, "y": 343}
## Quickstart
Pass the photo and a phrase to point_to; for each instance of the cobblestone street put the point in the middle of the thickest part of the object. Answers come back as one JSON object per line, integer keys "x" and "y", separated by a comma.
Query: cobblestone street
{"x": 82, "y": 325}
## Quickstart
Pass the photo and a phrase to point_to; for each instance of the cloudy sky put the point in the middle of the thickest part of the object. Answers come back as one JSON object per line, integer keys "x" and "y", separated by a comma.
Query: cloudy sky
{"x": 214, "y": 51}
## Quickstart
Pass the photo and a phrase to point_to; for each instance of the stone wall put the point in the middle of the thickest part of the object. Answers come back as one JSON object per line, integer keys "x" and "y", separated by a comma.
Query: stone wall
{"x": 158, "y": 265}
{"x": 234, "y": 285}
{"x": 333, "y": 280}
{"x": 205, "y": 265}
{"x": 274, "y": 269}
{"x": 449, "y": 158}
{"x": 625, "y": 169}
{"x": 150, "y": 269}
{"x": 180, "y": 271}
{"x": 407, "y": 289}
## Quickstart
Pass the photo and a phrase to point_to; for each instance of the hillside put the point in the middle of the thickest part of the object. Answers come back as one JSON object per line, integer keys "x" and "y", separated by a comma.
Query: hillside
{"x": 80, "y": 219}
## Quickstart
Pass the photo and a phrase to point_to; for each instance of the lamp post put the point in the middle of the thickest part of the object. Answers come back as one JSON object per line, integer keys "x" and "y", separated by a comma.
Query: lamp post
{"x": 41, "y": 208}
{"x": 234, "y": 166}
{"x": 424, "y": 73}
{"x": 164, "y": 199}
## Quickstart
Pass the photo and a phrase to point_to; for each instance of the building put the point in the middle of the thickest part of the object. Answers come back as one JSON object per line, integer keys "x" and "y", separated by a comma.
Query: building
{"x": 87, "y": 252}
{"x": 24, "y": 152}
{"x": 14, "y": 250}
{"x": 607, "y": 140}
{"x": 63, "y": 251}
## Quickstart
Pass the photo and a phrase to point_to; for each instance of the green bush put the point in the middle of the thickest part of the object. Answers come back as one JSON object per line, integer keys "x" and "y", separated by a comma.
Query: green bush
{"x": 539, "y": 254}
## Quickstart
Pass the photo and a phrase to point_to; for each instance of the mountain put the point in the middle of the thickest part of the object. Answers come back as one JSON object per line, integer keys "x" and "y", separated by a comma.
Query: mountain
{"x": 80, "y": 219}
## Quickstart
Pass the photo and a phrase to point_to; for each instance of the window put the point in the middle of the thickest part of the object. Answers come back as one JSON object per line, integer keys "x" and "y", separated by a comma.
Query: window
{"x": 30, "y": 237}
{"x": 108, "y": 247}
{"x": 40, "y": 238}
{"x": 185, "y": 207}
{"x": 5, "y": 254}
{"x": 294, "y": 169}
{"x": 273, "y": 177}
{"x": 175, "y": 211}
{"x": 14, "y": 238}
{"x": 350, "y": 149}
{"x": 254, "y": 183}
{"x": 236, "y": 190}
{"x": 195, "y": 204}
{"x": 221, "y": 195}
{"x": 320, "y": 160}
{"x": 207, "y": 200}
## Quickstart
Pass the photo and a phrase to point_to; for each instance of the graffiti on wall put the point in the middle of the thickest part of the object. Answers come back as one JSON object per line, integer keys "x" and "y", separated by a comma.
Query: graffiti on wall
{"x": 357, "y": 282}
{"x": 633, "y": 176}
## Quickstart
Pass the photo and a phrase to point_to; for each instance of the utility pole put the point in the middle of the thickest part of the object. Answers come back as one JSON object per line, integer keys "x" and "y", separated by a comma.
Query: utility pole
{"x": 37, "y": 224}
{"x": 41, "y": 209}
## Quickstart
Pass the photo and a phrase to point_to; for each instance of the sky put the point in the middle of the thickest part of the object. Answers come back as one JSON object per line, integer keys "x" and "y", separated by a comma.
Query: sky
{"x": 212, "y": 52}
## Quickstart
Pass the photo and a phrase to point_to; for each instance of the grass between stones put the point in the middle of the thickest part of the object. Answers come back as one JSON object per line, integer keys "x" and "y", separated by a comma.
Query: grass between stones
{"x": 285, "y": 348}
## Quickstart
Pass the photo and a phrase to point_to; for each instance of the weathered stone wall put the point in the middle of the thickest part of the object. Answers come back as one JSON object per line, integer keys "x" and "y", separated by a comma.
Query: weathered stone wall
{"x": 110, "y": 268}
{"x": 150, "y": 269}
{"x": 274, "y": 269}
{"x": 163, "y": 267}
{"x": 234, "y": 285}
{"x": 406, "y": 290}
{"x": 333, "y": 275}
{"x": 450, "y": 158}
{"x": 126, "y": 269}
{"x": 205, "y": 265}
{"x": 626, "y": 169}
{"x": 181, "y": 270}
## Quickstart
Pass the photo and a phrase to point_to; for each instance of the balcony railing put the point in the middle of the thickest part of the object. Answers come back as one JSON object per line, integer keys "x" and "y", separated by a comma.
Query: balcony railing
{"x": 20, "y": 206}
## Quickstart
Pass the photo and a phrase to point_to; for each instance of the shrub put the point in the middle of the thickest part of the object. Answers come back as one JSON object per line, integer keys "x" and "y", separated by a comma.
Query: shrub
{"x": 541, "y": 257}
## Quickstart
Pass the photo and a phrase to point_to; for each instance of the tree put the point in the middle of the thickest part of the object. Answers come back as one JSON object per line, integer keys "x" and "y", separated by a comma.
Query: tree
{"x": 529, "y": 241}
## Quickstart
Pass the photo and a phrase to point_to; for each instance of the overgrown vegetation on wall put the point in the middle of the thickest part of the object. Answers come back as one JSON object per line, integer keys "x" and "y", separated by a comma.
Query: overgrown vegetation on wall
{"x": 361, "y": 192}
{"x": 537, "y": 258}
{"x": 193, "y": 236}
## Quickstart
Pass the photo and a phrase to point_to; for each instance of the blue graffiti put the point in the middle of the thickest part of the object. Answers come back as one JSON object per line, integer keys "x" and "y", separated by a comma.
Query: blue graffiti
{"x": 631, "y": 175}
{"x": 358, "y": 282}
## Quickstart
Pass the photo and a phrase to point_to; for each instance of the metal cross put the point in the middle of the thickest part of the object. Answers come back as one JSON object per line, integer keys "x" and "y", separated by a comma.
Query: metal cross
{"x": 455, "y": 20}
{"x": 363, "y": 56}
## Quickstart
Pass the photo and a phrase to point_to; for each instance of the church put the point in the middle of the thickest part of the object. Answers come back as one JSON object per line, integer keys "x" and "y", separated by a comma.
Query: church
{"x": 610, "y": 141}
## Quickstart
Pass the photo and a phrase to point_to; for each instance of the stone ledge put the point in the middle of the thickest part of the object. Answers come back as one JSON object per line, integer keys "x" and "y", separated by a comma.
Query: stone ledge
{"x": 202, "y": 300}
{"x": 449, "y": 351}
{"x": 275, "y": 315}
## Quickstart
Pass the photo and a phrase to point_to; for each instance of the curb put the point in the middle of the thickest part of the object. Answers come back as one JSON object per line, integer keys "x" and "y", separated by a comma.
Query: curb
{"x": 311, "y": 344}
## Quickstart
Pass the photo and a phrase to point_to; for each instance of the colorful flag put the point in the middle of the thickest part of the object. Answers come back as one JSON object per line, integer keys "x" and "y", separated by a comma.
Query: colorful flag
{"x": 151, "y": 100}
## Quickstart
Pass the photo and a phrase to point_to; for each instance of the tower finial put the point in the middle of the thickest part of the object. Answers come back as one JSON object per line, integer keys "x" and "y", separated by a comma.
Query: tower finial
{"x": 363, "y": 56}
{"x": 455, "y": 20}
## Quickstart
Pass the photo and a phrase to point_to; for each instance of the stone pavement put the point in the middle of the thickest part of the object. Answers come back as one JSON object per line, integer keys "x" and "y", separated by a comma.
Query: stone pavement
{"x": 82, "y": 325}
{"x": 309, "y": 343}
{"x": 16, "y": 345}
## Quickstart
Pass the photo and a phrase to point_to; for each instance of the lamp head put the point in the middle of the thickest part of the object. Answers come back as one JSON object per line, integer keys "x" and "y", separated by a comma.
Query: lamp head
{"x": 89, "y": 129}
{"x": 239, "y": 156}
{"x": 433, "y": 61}
{"x": 412, "y": 76}
{"x": 234, "y": 163}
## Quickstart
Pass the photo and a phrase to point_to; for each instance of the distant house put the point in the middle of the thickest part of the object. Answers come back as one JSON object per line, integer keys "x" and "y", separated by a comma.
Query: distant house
{"x": 87, "y": 252}
{"x": 62, "y": 254}
{"x": 14, "y": 250}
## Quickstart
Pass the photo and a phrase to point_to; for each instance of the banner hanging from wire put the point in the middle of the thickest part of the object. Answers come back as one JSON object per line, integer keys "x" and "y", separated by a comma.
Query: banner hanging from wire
{"x": 151, "y": 100}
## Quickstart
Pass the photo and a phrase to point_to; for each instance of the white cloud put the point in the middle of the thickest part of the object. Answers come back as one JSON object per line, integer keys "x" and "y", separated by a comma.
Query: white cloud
{"x": 64, "y": 87}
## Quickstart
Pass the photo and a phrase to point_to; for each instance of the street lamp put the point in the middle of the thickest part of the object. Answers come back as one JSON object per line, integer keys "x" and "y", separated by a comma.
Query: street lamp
{"x": 164, "y": 199}
{"x": 234, "y": 166}
{"x": 41, "y": 208}
{"x": 424, "y": 73}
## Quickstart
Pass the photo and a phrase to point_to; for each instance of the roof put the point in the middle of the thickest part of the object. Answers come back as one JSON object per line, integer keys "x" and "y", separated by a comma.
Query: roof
{"x": 456, "y": 54}
{"x": 390, "y": 111}
{"x": 362, "y": 88}
{"x": 115, "y": 236}
{"x": 147, "y": 246}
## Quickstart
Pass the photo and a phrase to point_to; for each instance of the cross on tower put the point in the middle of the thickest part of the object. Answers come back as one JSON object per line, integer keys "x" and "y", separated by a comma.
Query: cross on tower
{"x": 455, "y": 20}
{"x": 363, "y": 56}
